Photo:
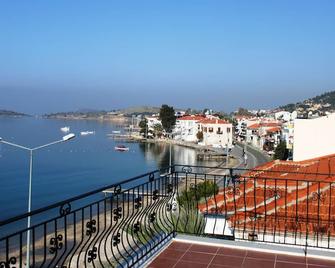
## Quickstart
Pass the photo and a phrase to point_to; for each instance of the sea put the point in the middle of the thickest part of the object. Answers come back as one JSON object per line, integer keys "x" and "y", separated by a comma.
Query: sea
{"x": 75, "y": 167}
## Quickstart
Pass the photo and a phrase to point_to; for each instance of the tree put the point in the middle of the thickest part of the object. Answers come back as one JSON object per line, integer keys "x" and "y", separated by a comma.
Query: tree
{"x": 205, "y": 111}
{"x": 200, "y": 136}
{"x": 243, "y": 112}
{"x": 158, "y": 130}
{"x": 190, "y": 198}
{"x": 188, "y": 111}
{"x": 143, "y": 126}
{"x": 281, "y": 151}
{"x": 167, "y": 117}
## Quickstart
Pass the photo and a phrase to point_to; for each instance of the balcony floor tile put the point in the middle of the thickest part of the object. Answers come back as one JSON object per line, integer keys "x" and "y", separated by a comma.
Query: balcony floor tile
{"x": 189, "y": 255}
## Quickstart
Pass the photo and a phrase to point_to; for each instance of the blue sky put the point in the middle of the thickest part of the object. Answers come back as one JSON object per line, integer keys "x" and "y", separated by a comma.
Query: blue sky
{"x": 67, "y": 55}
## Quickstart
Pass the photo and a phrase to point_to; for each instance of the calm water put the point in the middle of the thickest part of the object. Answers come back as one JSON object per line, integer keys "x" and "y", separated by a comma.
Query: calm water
{"x": 68, "y": 169}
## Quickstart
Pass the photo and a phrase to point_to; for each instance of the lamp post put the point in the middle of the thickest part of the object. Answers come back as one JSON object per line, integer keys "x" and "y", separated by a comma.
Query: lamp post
{"x": 31, "y": 150}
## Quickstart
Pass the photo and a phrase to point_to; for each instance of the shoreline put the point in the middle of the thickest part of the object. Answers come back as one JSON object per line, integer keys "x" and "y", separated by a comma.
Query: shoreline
{"x": 233, "y": 161}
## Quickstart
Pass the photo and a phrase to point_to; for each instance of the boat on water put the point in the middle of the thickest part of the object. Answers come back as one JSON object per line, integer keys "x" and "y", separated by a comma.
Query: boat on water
{"x": 116, "y": 131}
{"x": 84, "y": 133}
{"x": 121, "y": 148}
{"x": 65, "y": 129}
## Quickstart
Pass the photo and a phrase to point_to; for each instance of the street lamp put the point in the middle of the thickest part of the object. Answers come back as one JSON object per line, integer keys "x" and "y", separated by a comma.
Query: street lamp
{"x": 31, "y": 150}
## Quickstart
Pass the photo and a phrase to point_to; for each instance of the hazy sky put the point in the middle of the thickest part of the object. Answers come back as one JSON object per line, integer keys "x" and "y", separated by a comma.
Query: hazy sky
{"x": 67, "y": 55}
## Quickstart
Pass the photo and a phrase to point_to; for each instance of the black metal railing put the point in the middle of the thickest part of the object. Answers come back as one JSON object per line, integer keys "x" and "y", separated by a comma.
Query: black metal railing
{"x": 124, "y": 223}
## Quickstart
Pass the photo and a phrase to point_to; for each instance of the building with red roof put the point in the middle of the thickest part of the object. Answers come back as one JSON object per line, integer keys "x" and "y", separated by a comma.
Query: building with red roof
{"x": 216, "y": 132}
{"x": 187, "y": 127}
{"x": 280, "y": 200}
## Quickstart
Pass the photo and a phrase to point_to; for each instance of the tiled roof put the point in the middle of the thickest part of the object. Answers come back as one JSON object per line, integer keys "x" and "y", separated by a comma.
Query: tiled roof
{"x": 274, "y": 129}
{"x": 280, "y": 194}
{"x": 259, "y": 125}
{"x": 213, "y": 121}
{"x": 192, "y": 117}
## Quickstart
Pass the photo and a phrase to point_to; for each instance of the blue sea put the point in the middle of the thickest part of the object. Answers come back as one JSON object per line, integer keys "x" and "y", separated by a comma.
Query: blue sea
{"x": 68, "y": 169}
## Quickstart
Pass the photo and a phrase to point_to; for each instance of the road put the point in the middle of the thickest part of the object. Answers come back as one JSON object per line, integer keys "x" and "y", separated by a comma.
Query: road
{"x": 255, "y": 157}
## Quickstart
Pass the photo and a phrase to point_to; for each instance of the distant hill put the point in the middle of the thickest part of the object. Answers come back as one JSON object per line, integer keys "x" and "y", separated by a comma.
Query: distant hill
{"x": 145, "y": 110}
{"x": 91, "y": 113}
{"x": 85, "y": 113}
{"x": 11, "y": 113}
{"x": 321, "y": 103}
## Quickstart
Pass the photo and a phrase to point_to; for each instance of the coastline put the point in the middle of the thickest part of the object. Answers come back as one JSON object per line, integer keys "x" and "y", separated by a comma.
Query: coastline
{"x": 221, "y": 161}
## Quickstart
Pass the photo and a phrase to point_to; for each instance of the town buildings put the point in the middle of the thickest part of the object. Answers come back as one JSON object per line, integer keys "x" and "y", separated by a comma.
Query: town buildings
{"x": 187, "y": 127}
{"x": 216, "y": 132}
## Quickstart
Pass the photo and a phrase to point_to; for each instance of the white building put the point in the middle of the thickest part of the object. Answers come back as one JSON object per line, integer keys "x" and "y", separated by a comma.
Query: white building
{"x": 243, "y": 122}
{"x": 314, "y": 137}
{"x": 286, "y": 116}
{"x": 152, "y": 121}
{"x": 288, "y": 134}
{"x": 217, "y": 132}
{"x": 266, "y": 133}
{"x": 187, "y": 127}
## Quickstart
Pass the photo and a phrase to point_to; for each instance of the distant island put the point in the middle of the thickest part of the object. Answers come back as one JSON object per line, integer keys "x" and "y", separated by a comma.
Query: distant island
{"x": 112, "y": 115}
{"x": 11, "y": 113}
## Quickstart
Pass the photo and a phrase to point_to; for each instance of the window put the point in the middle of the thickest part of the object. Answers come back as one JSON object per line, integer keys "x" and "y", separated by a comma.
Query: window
{"x": 228, "y": 129}
{"x": 210, "y": 129}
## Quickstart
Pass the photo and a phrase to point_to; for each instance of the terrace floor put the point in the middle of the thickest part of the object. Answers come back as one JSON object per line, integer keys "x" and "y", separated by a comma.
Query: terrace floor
{"x": 184, "y": 255}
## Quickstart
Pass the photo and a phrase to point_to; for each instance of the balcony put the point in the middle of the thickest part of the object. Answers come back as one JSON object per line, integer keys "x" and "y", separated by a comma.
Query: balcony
{"x": 132, "y": 223}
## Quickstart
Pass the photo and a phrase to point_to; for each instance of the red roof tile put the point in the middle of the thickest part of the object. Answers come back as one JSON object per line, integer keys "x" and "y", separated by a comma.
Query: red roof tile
{"x": 213, "y": 121}
{"x": 192, "y": 117}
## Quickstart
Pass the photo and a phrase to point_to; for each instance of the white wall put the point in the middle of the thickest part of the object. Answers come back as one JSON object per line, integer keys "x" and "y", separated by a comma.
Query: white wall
{"x": 213, "y": 138}
{"x": 314, "y": 137}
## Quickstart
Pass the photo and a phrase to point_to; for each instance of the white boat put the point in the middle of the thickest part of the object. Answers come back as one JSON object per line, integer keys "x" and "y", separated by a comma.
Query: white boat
{"x": 84, "y": 133}
{"x": 65, "y": 129}
{"x": 116, "y": 131}
{"x": 121, "y": 148}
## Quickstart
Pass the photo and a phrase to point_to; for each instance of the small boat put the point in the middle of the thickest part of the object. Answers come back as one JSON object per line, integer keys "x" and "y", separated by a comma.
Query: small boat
{"x": 121, "y": 148}
{"x": 84, "y": 133}
{"x": 65, "y": 129}
{"x": 116, "y": 131}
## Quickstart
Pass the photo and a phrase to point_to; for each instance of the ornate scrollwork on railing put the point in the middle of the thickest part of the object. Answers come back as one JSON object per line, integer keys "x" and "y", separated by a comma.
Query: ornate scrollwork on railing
{"x": 117, "y": 213}
{"x": 117, "y": 189}
{"x": 275, "y": 193}
{"x": 252, "y": 236}
{"x": 152, "y": 217}
{"x": 186, "y": 169}
{"x": 155, "y": 195}
{"x": 56, "y": 243}
{"x": 90, "y": 227}
{"x": 318, "y": 197}
{"x": 116, "y": 239}
{"x": 9, "y": 263}
{"x": 151, "y": 177}
{"x": 65, "y": 209}
{"x": 138, "y": 202}
{"x": 92, "y": 254}
{"x": 234, "y": 191}
{"x": 137, "y": 227}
